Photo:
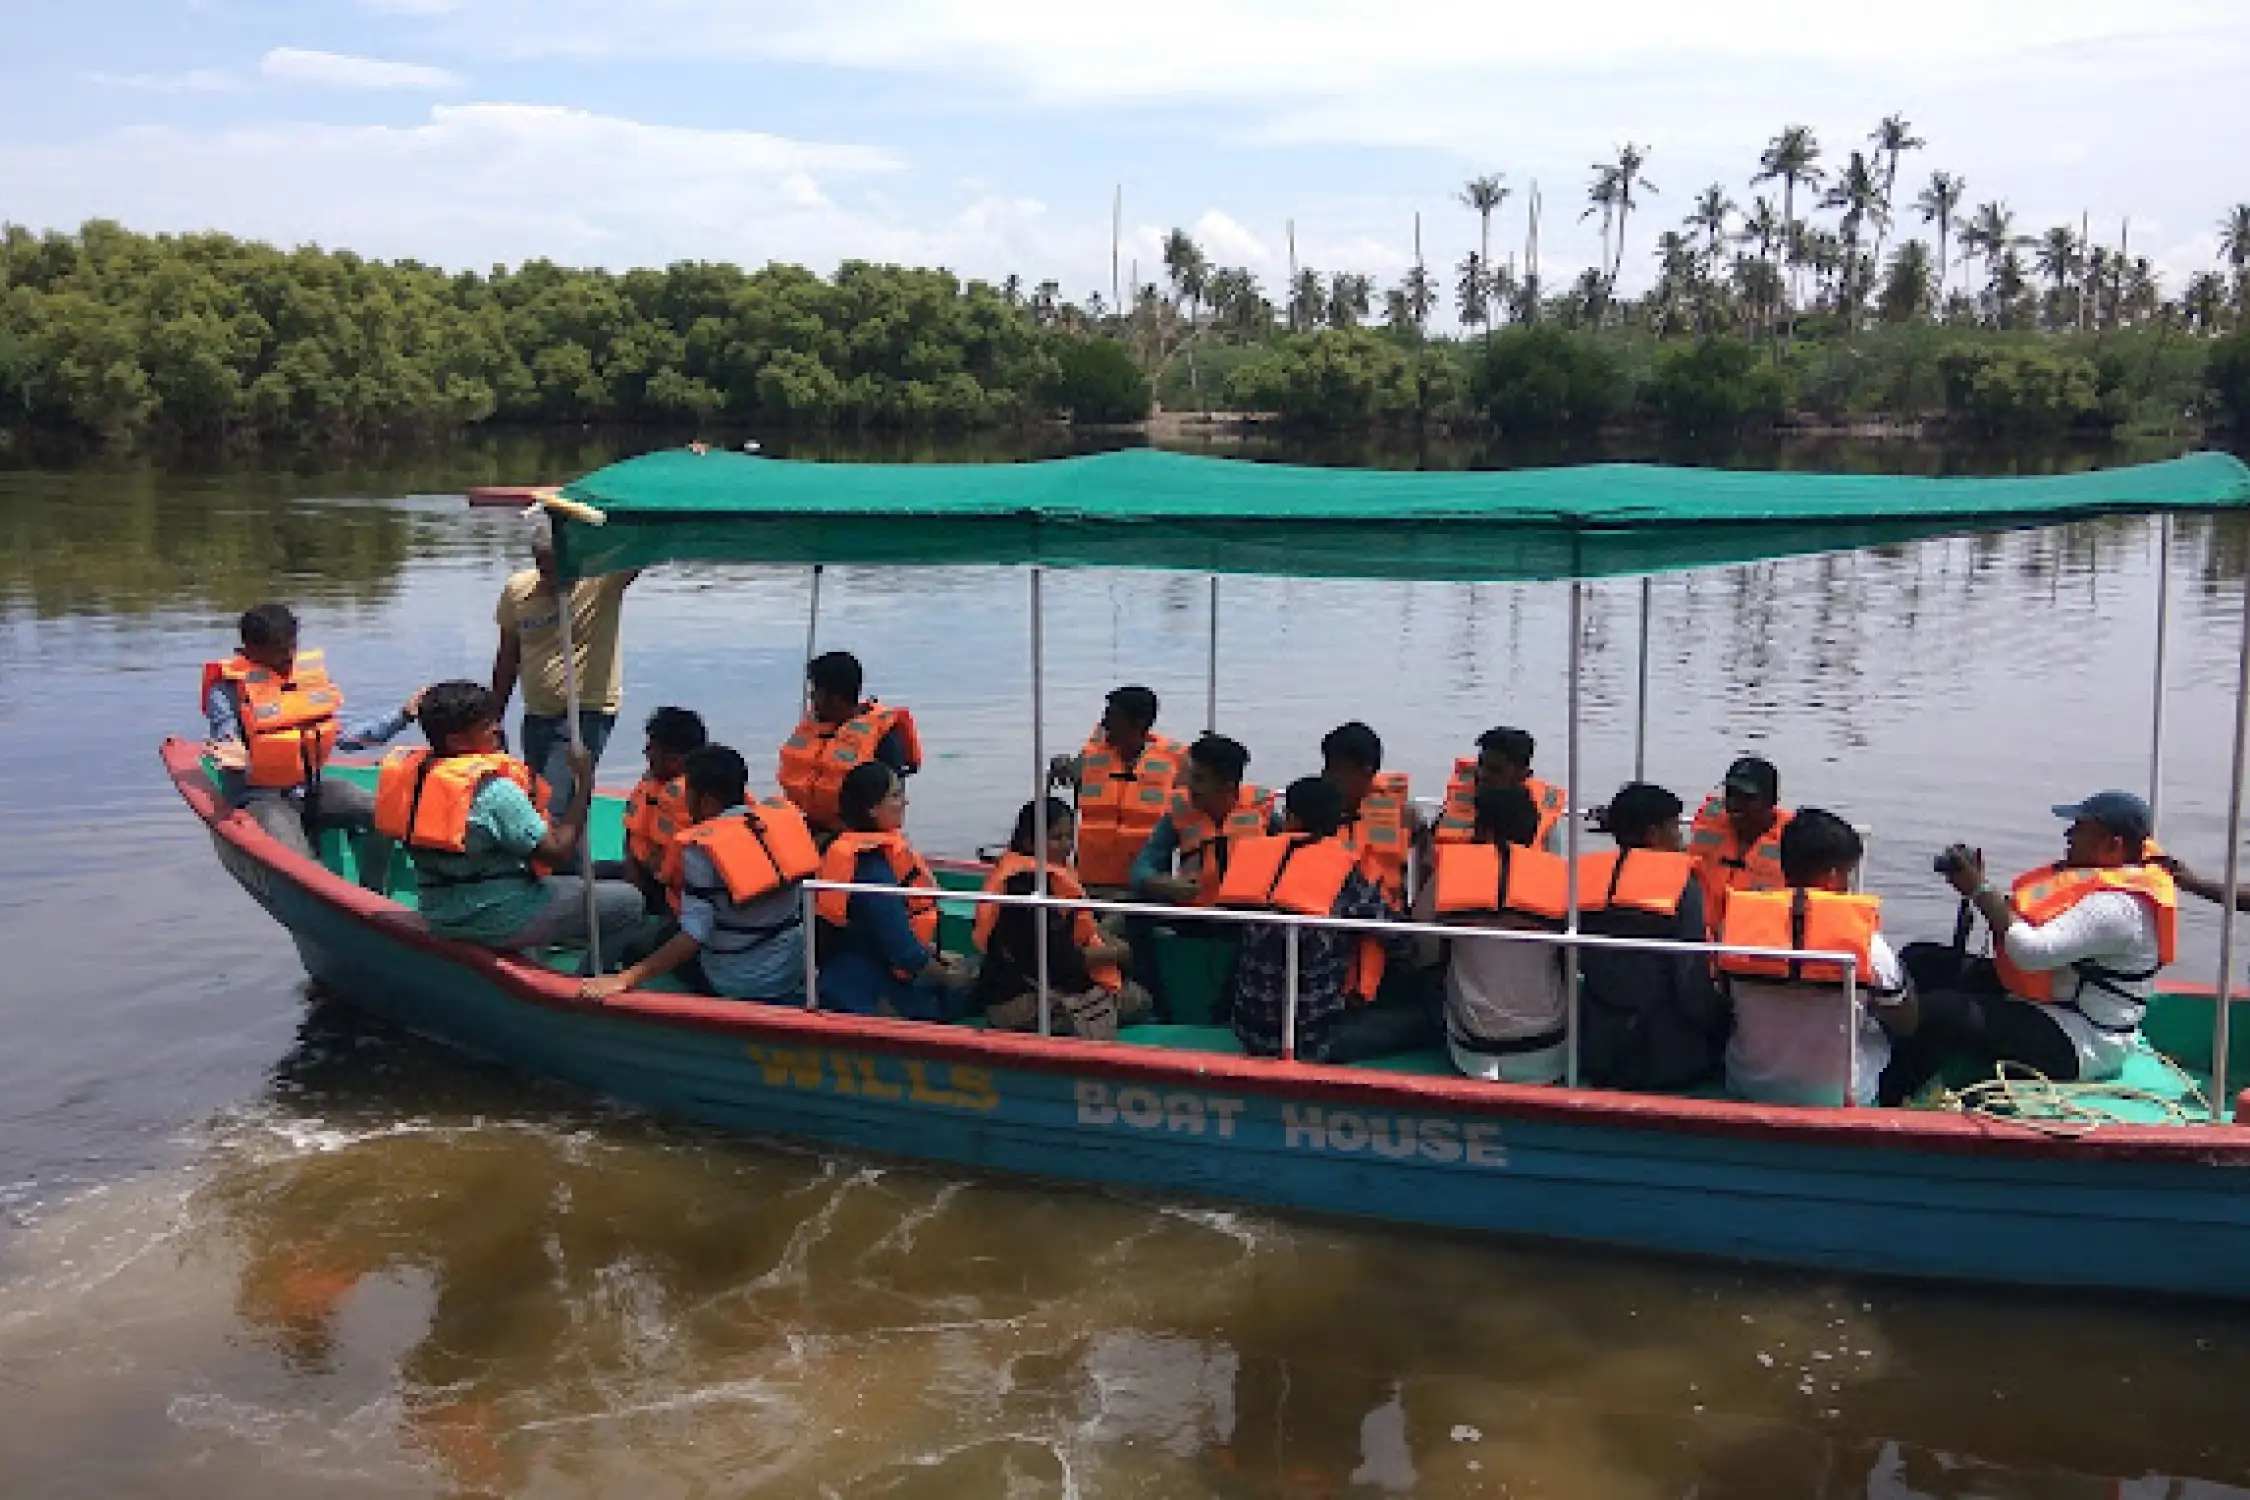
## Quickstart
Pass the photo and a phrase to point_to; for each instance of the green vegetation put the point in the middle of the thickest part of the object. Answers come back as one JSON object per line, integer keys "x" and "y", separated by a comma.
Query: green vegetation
{"x": 113, "y": 334}
{"x": 1810, "y": 308}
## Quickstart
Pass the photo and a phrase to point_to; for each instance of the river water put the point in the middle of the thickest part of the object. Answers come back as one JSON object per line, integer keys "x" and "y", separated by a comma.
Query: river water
{"x": 253, "y": 1245}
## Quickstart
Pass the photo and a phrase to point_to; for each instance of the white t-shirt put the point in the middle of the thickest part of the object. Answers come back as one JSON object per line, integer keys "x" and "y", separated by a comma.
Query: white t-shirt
{"x": 1788, "y": 1042}
{"x": 1501, "y": 991}
{"x": 2116, "y": 931}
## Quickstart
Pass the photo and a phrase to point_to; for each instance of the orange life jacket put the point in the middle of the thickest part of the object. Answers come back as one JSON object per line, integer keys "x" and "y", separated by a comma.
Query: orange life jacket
{"x": 1084, "y": 930}
{"x": 1485, "y": 880}
{"x": 288, "y": 723}
{"x": 1381, "y": 834}
{"x": 1724, "y": 866}
{"x": 1651, "y": 881}
{"x": 1290, "y": 872}
{"x": 841, "y": 864}
{"x": 2039, "y": 896}
{"x": 1205, "y": 846}
{"x": 655, "y": 815}
{"x": 817, "y": 757}
{"x": 1458, "y": 823}
{"x": 1119, "y": 805}
{"x": 1824, "y": 921}
{"x": 423, "y": 800}
{"x": 756, "y": 852}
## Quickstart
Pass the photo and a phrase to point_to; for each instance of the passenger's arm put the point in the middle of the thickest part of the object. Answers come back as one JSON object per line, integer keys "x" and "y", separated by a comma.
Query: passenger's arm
{"x": 560, "y": 846}
{"x": 676, "y": 951}
{"x": 2213, "y": 891}
{"x": 1152, "y": 875}
{"x": 885, "y": 920}
{"x": 384, "y": 729}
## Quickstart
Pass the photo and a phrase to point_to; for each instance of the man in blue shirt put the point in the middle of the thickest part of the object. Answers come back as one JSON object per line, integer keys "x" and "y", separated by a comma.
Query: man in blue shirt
{"x": 743, "y": 950}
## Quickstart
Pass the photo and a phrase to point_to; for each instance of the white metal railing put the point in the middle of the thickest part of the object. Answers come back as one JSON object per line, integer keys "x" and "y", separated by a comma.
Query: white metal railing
{"x": 1570, "y": 940}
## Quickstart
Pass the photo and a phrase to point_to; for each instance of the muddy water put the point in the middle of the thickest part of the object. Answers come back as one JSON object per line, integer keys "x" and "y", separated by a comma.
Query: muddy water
{"x": 255, "y": 1246}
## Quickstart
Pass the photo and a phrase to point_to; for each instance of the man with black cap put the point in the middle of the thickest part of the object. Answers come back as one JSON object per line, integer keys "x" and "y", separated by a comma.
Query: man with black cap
{"x": 1736, "y": 837}
{"x": 2076, "y": 947}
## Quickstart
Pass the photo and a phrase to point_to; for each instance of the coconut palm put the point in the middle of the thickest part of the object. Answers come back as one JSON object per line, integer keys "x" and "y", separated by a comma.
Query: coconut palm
{"x": 1712, "y": 212}
{"x": 2234, "y": 244}
{"x": 1473, "y": 291}
{"x": 1601, "y": 198}
{"x": 1308, "y": 299}
{"x": 1792, "y": 157}
{"x": 1762, "y": 226}
{"x": 1892, "y": 139}
{"x": 1187, "y": 270}
{"x": 1350, "y": 295}
{"x": 1629, "y": 179}
{"x": 1991, "y": 234}
{"x": 2204, "y": 303}
{"x": 2060, "y": 257}
{"x": 1485, "y": 195}
{"x": 1939, "y": 203}
{"x": 1858, "y": 194}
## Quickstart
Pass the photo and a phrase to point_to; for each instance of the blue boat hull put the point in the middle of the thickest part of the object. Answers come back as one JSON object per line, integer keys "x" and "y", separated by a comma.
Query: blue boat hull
{"x": 2143, "y": 1209}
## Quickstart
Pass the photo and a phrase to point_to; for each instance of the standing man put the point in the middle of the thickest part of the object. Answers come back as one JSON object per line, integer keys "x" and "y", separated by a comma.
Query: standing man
{"x": 530, "y": 620}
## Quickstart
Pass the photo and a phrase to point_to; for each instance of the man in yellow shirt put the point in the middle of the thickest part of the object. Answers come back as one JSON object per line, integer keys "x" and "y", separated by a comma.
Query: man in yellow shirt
{"x": 530, "y": 619}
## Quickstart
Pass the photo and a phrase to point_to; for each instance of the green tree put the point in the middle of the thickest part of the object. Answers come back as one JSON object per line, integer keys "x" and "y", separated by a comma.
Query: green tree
{"x": 1484, "y": 195}
{"x": 1096, "y": 380}
{"x": 1545, "y": 379}
{"x": 1791, "y": 158}
{"x": 1715, "y": 386}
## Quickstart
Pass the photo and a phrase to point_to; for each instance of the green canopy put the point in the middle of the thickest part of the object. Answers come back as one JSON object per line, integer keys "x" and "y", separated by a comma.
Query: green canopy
{"x": 1142, "y": 508}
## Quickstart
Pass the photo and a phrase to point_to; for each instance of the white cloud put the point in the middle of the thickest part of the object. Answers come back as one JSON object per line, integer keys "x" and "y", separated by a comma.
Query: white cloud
{"x": 338, "y": 70}
{"x": 1228, "y": 243}
{"x": 483, "y": 182}
{"x": 193, "y": 81}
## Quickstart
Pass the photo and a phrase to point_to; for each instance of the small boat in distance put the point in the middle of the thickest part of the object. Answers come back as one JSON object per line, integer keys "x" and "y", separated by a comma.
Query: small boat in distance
{"x": 2155, "y": 1201}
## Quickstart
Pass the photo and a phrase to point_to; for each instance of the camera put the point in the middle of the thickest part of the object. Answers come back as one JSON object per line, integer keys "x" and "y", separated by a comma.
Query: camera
{"x": 1946, "y": 863}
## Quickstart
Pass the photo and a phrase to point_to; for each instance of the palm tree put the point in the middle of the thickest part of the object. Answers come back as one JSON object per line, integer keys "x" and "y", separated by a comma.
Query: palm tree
{"x": 1859, "y": 194}
{"x": 2205, "y": 301}
{"x": 1308, "y": 299}
{"x": 1792, "y": 157}
{"x": 2009, "y": 280}
{"x": 1473, "y": 291}
{"x": 1939, "y": 202}
{"x": 1710, "y": 215}
{"x": 2234, "y": 244}
{"x": 1991, "y": 233}
{"x": 1601, "y": 198}
{"x": 1421, "y": 294}
{"x": 2060, "y": 259}
{"x": 1484, "y": 194}
{"x": 1186, "y": 268}
{"x": 1349, "y": 297}
{"x": 1630, "y": 160}
{"x": 1762, "y": 226}
{"x": 1892, "y": 139}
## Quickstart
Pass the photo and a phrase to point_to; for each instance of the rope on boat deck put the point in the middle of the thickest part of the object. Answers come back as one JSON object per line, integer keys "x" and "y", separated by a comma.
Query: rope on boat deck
{"x": 2025, "y": 1096}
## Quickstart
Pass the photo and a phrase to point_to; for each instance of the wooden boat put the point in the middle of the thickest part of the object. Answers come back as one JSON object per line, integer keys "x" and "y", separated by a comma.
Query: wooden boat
{"x": 2134, "y": 1204}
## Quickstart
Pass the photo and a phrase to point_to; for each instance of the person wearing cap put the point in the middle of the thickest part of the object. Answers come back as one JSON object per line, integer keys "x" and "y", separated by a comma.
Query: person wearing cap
{"x": 529, "y": 615}
{"x": 2076, "y": 947}
{"x": 1736, "y": 836}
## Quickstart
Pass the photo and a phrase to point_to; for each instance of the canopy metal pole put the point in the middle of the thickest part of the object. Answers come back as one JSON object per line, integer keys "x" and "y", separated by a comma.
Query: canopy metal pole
{"x": 1851, "y": 1035}
{"x": 2219, "y": 1038}
{"x": 811, "y": 919}
{"x": 1039, "y": 794}
{"x": 2156, "y": 683}
{"x": 1570, "y": 834}
{"x": 1640, "y": 718}
{"x": 812, "y": 634}
{"x": 1289, "y": 994}
{"x": 1211, "y": 667}
{"x": 577, "y": 745}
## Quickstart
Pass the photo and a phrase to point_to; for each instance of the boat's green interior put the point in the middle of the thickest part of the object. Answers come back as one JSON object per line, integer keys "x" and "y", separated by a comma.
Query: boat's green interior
{"x": 2155, "y": 1085}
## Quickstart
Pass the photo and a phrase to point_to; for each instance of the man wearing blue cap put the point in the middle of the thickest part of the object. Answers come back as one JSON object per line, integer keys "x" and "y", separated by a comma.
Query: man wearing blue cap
{"x": 2076, "y": 947}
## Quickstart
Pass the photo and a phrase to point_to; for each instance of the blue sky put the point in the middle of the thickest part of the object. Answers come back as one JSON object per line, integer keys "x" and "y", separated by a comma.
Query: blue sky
{"x": 987, "y": 135}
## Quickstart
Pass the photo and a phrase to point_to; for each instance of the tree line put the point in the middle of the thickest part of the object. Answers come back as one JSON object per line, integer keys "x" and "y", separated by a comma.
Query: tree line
{"x": 113, "y": 334}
